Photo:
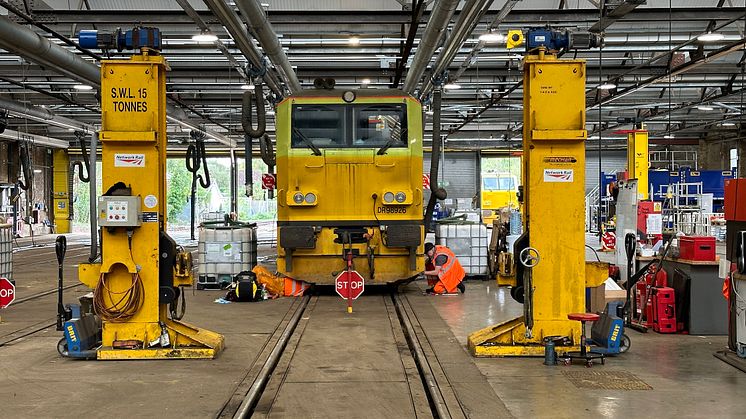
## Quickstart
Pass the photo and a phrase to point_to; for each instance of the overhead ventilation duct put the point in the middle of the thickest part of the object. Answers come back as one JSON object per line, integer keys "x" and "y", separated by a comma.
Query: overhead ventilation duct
{"x": 467, "y": 21}
{"x": 34, "y": 47}
{"x": 256, "y": 18}
{"x": 434, "y": 31}
{"x": 235, "y": 28}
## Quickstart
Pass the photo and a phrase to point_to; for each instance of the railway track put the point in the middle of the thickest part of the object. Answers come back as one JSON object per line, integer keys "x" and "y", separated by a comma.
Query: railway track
{"x": 426, "y": 394}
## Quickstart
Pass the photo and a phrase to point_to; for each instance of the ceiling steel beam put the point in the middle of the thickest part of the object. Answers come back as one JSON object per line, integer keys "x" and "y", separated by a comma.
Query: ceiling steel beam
{"x": 618, "y": 12}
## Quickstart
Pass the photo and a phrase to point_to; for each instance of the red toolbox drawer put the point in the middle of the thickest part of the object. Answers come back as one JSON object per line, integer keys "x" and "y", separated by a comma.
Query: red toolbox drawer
{"x": 697, "y": 248}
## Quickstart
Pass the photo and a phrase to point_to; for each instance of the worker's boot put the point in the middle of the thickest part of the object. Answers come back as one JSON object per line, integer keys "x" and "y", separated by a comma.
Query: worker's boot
{"x": 461, "y": 287}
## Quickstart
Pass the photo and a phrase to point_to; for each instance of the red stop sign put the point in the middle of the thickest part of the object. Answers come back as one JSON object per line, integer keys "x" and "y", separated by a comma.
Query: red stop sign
{"x": 268, "y": 181}
{"x": 425, "y": 181}
{"x": 349, "y": 282}
{"x": 7, "y": 292}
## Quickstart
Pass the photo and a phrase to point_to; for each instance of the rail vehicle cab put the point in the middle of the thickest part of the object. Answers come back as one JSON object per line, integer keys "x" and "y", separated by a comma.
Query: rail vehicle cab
{"x": 349, "y": 181}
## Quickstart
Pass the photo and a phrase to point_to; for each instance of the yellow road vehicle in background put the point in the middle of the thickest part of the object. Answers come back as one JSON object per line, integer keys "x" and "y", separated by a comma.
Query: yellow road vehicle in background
{"x": 499, "y": 190}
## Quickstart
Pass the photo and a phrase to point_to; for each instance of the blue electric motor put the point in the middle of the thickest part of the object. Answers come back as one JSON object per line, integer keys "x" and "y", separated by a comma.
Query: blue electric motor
{"x": 133, "y": 39}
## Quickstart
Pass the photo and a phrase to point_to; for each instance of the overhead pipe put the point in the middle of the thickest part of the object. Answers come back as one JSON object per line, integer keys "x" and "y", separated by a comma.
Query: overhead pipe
{"x": 468, "y": 19}
{"x": 34, "y": 47}
{"x": 236, "y": 29}
{"x": 27, "y": 43}
{"x": 219, "y": 44}
{"x": 254, "y": 16}
{"x": 507, "y": 7}
{"x": 43, "y": 114}
{"x": 436, "y": 26}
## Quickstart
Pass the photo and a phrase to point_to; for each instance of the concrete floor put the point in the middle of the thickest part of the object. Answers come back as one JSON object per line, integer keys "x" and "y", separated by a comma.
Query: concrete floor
{"x": 686, "y": 380}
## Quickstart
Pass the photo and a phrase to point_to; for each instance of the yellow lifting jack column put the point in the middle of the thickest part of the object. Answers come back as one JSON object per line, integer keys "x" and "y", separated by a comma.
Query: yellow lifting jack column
{"x": 142, "y": 272}
{"x": 550, "y": 256}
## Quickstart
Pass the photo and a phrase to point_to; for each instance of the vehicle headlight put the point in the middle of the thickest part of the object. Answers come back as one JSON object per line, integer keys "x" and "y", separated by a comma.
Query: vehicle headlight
{"x": 401, "y": 197}
{"x": 310, "y": 198}
{"x": 388, "y": 197}
{"x": 298, "y": 198}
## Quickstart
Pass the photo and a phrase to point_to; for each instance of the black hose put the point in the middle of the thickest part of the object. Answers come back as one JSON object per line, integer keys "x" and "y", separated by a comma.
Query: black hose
{"x": 261, "y": 118}
{"x": 251, "y": 133}
{"x": 267, "y": 152}
{"x": 436, "y": 192}
{"x": 195, "y": 158}
{"x": 28, "y": 174}
{"x": 84, "y": 176}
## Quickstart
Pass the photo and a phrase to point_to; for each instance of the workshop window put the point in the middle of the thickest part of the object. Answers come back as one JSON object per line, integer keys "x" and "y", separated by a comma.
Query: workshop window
{"x": 733, "y": 159}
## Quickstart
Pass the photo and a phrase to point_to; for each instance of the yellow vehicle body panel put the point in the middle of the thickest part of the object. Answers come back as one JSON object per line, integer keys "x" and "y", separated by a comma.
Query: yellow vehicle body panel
{"x": 554, "y": 183}
{"x": 345, "y": 181}
{"x": 133, "y": 114}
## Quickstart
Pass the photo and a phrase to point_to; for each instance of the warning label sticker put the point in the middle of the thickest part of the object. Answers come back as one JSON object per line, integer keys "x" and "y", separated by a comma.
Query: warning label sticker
{"x": 129, "y": 160}
{"x": 558, "y": 175}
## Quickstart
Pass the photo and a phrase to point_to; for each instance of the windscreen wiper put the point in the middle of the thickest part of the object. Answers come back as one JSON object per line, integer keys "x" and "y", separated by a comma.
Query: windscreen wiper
{"x": 308, "y": 142}
{"x": 392, "y": 142}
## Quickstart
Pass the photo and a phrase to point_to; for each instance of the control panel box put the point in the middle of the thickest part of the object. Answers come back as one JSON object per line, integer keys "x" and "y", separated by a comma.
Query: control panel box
{"x": 119, "y": 211}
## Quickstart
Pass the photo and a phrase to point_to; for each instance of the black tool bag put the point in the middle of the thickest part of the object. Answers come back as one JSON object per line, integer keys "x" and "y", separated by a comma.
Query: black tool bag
{"x": 244, "y": 288}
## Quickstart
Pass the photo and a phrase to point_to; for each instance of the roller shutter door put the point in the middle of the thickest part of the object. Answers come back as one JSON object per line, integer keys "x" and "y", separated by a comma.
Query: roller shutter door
{"x": 611, "y": 161}
{"x": 459, "y": 173}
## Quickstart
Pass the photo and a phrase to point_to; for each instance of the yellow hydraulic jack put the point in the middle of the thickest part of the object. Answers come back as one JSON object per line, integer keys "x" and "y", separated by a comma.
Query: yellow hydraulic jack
{"x": 550, "y": 255}
{"x": 142, "y": 272}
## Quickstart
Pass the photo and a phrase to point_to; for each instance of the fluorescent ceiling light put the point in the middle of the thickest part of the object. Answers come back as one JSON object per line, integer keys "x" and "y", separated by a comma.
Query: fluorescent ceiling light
{"x": 247, "y": 87}
{"x": 606, "y": 86}
{"x": 204, "y": 37}
{"x": 705, "y": 108}
{"x": 354, "y": 40}
{"x": 37, "y": 170}
{"x": 365, "y": 81}
{"x": 668, "y": 136}
{"x": 710, "y": 37}
{"x": 429, "y": 112}
{"x": 728, "y": 124}
{"x": 82, "y": 87}
{"x": 491, "y": 37}
{"x": 451, "y": 86}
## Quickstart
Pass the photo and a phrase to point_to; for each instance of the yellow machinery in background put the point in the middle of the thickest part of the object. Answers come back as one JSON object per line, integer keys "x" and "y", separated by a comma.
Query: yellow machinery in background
{"x": 638, "y": 161}
{"x": 61, "y": 191}
{"x": 550, "y": 255}
{"x": 349, "y": 181}
{"x": 142, "y": 271}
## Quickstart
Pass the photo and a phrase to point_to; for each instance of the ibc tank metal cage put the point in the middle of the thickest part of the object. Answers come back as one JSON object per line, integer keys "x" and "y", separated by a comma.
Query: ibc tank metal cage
{"x": 6, "y": 251}
{"x": 225, "y": 249}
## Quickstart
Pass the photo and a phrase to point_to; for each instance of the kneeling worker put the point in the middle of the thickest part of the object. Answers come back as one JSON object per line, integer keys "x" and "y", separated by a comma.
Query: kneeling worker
{"x": 444, "y": 273}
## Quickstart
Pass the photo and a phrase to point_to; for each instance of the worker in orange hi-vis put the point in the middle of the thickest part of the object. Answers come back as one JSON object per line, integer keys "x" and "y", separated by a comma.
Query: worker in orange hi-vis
{"x": 444, "y": 272}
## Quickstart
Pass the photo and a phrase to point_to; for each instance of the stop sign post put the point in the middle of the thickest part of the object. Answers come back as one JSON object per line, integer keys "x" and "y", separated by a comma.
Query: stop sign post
{"x": 7, "y": 292}
{"x": 349, "y": 285}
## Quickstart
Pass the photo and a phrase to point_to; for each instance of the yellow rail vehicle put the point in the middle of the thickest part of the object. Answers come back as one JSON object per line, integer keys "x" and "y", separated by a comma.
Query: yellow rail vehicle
{"x": 349, "y": 180}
